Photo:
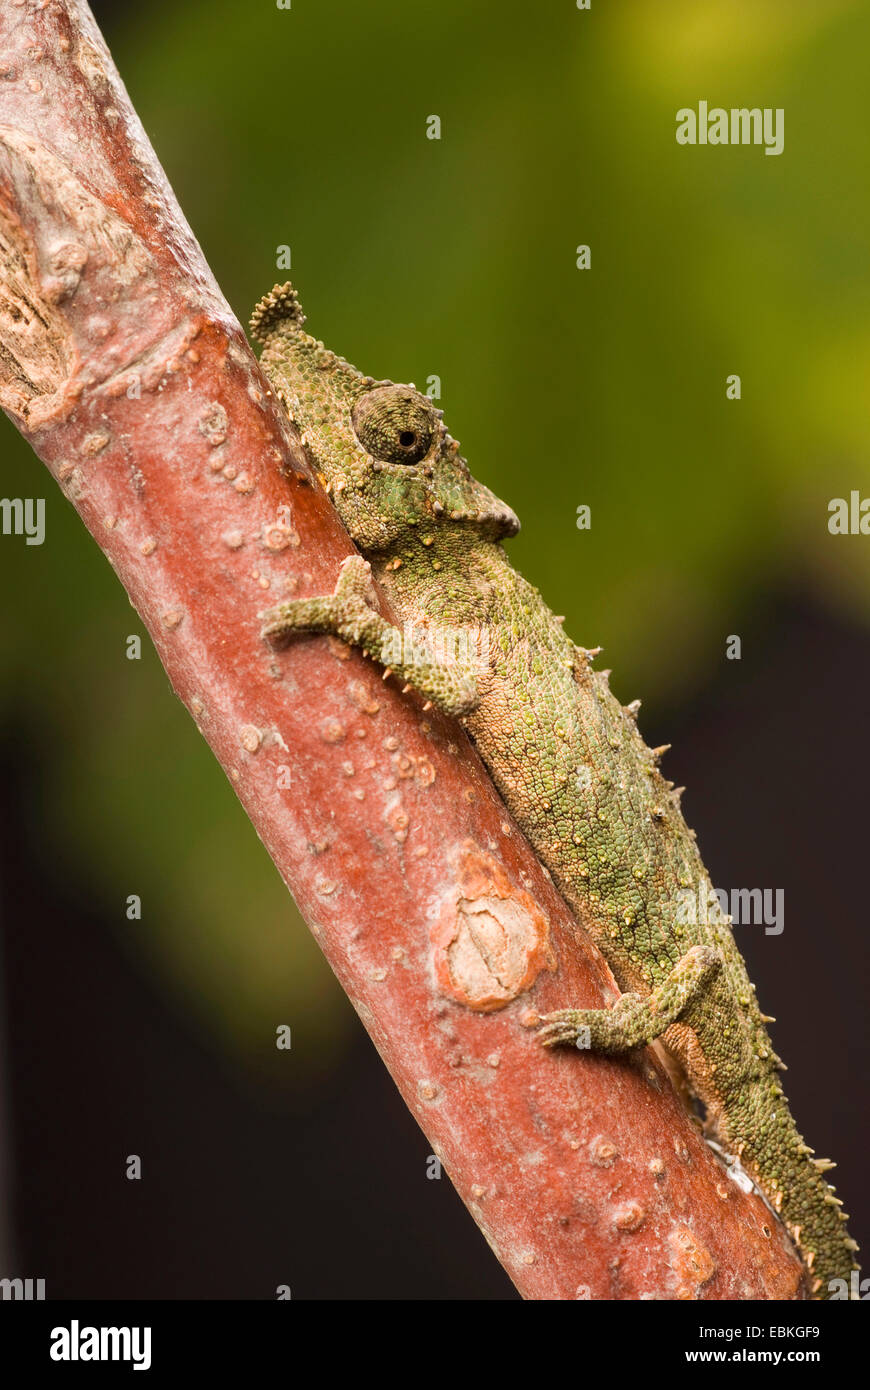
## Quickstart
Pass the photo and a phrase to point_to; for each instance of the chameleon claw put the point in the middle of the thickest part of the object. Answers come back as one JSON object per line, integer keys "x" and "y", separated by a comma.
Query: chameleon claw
{"x": 561, "y": 1038}
{"x": 281, "y": 622}
{"x": 559, "y": 1028}
{"x": 277, "y": 623}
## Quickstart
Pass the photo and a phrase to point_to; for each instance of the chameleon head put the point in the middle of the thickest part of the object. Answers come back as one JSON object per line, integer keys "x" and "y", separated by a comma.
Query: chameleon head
{"x": 381, "y": 449}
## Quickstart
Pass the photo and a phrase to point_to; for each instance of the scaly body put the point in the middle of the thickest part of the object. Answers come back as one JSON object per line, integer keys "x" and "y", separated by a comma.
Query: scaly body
{"x": 566, "y": 756}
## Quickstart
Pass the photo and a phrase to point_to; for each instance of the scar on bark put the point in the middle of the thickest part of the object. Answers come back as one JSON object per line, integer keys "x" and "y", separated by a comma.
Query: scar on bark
{"x": 491, "y": 941}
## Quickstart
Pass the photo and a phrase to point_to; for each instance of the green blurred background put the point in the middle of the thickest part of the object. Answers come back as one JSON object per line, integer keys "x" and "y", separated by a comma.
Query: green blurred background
{"x": 456, "y": 257}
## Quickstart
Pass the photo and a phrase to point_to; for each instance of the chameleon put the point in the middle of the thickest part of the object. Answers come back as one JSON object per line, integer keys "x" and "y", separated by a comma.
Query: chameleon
{"x": 566, "y": 756}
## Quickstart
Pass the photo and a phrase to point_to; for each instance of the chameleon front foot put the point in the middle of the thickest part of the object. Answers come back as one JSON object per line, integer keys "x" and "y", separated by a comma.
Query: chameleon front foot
{"x": 349, "y": 614}
{"x": 635, "y": 1019}
{"x": 343, "y": 611}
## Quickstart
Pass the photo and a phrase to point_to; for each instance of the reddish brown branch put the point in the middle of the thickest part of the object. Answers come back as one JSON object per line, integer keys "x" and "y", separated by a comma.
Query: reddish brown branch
{"x": 126, "y": 370}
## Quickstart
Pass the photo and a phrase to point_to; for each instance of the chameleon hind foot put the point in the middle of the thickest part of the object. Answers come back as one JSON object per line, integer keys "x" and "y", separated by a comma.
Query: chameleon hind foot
{"x": 635, "y": 1019}
{"x": 349, "y": 614}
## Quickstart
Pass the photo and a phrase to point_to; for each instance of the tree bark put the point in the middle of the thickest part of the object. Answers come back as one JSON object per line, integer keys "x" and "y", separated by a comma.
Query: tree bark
{"x": 126, "y": 370}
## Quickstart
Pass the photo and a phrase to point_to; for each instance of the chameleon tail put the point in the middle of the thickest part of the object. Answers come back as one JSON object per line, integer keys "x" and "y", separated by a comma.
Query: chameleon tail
{"x": 817, "y": 1222}
{"x": 793, "y": 1181}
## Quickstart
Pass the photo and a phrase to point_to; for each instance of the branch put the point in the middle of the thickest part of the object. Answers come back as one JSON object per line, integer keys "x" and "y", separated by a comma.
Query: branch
{"x": 124, "y": 367}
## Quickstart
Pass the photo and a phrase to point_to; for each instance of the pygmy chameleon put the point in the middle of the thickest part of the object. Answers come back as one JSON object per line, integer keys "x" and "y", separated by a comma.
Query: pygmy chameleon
{"x": 566, "y": 757}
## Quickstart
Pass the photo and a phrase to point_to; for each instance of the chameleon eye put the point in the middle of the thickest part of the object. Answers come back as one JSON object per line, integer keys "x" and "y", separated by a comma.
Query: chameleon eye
{"x": 394, "y": 425}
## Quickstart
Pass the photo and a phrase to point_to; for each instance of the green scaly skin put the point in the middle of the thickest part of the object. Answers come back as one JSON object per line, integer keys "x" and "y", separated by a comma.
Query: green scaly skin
{"x": 565, "y": 755}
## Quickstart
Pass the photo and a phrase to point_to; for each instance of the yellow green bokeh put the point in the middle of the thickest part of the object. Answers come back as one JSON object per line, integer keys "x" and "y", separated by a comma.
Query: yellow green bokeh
{"x": 307, "y": 127}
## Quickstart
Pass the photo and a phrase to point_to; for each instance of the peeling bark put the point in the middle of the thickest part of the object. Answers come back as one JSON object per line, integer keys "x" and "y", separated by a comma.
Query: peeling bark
{"x": 127, "y": 371}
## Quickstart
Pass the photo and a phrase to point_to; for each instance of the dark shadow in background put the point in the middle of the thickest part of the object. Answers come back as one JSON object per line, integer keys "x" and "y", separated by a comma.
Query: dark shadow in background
{"x": 325, "y": 1190}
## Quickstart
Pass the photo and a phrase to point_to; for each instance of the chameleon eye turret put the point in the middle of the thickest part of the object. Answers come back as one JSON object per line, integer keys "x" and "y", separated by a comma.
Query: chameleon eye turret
{"x": 395, "y": 425}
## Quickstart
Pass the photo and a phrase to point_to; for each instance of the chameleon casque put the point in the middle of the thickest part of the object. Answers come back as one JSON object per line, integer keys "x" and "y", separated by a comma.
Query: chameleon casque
{"x": 566, "y": 757}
